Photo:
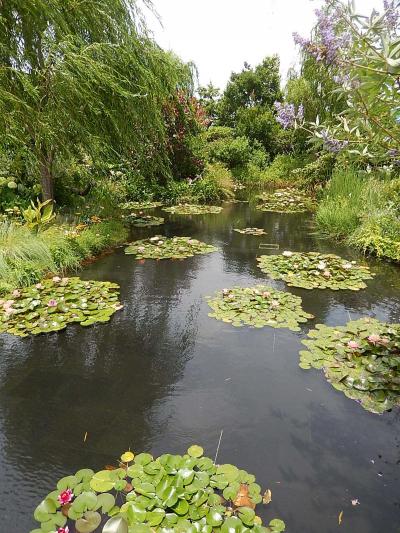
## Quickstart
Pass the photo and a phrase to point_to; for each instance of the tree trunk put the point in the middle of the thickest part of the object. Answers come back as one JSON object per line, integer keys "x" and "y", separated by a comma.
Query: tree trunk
{"x": 46, "y": 173}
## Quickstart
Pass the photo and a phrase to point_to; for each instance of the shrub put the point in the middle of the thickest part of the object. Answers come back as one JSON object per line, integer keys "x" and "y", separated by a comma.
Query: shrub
{"x": 216, "y": 184}
{"x": 279, "y": 173}
{"x": 315, "y": 174}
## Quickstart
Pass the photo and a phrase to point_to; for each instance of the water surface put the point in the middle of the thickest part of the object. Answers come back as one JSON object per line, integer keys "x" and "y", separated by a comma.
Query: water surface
{"x": 163, "y": 375}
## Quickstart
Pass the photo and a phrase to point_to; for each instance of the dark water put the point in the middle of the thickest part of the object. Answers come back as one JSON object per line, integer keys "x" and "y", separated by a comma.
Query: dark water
{"x": 163, "y": 375}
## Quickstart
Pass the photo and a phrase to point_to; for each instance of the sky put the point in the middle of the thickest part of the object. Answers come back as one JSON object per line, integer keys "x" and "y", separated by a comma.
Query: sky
{"x": 220, "y": 35}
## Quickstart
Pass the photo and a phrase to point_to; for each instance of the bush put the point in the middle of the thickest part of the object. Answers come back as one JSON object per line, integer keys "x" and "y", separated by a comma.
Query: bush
{"x": 316, "y": 174}
{"x": 216, "y": 184}
{"x": 279, "y": 173}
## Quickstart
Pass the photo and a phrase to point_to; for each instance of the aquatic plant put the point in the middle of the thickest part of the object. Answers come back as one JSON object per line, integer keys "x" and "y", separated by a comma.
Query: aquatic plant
{"x": 360, "y": 359}
{"x": 172, "y": 493}
{"x": 258, "y": 306}
{"x": 143, "y": 221}
{"x": 141, "y": 205}
{"x": 192, "y": 209}
{"x": 285, "y": 201}
{"x": 313, "y": 270}
{"x": 159, "y": 247}
{"x": 54, "y": 303}
{"x": 251, "y": 231}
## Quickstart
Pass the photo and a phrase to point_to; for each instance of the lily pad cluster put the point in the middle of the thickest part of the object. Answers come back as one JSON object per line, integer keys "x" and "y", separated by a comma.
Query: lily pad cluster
{"x": 54, "y": 303}
{"x": 172, "y": 493}
{"x": 141, "y": 205}
{"x": 143, "y": 221}
{"x": 192, "y": 209}
{"x": 251, "y": 231}
{"x": 313, "y": 270}
{"x": 361, "y": 359}
{"x": 258, "y": 306}
{"x": 285, "y": 201}
{"x": 159, "y": 247}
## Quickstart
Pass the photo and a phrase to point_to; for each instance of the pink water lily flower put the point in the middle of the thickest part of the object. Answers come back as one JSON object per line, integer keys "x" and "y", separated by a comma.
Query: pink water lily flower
{"x": 275, "y": 303}
{"x": 16, "y": 293}
{"x": 374, "y": 339}
{"x": 39, "y": 286}
{"x": 56, "y": 279}
{"x": 7, "y": 304}
{"x": 63, "y": 529}
{"x": 266, "y": 294}
{"x": 52, "y": 303}
{"x": 353, "y": 345}
{"x": 65, "y": 496}
{"x": 327, "y": 274}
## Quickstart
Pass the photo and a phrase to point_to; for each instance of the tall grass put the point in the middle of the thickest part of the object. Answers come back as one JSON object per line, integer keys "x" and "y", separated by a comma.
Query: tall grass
{"x": 25, "y": 257}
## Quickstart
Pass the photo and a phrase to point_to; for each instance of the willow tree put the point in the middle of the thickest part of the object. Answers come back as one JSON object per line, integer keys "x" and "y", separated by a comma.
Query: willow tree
{"x": 83, "y": 76}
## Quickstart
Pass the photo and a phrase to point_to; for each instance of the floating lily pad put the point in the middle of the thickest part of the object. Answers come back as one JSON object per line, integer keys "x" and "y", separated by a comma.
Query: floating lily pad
{"x": 141, "y": 205}
{"x": 143, "y": 221}
{"x": 312, "y": 270}
{"x": 54, "y": 303}
{"x": 285, "y": 201}
{"x": 251, "y": 231}
{"x": 361, "y": 359}
{"x": 258, "y": 306}
{"x": 181, "y": 493}
{"x": 192, "y": 209}
{"x": 159, "y": 247}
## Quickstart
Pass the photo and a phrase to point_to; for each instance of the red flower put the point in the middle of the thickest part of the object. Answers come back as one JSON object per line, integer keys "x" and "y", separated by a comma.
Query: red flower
{"x": 65, "y": 497}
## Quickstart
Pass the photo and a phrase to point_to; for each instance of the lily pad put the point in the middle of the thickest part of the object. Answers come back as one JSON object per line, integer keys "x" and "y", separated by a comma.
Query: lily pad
{"x": 183, "y": 494}
{"x": 159, "y": 247}
{"x": 258, "y": 306}
{"x": 251, "y": 231}
{"x": 143, "y": 221}
{"x": 138, "y": 206}
{"x": 285, "y": 201}
{"x": 360, "y": 359}
{"x": 54, "y": 303}
{"x": 313, "y": 270}
{"x": 192, "y": 209}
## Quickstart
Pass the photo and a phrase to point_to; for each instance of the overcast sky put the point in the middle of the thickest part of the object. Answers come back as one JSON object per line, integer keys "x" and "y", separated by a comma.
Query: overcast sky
{"x": 220, "y": 35}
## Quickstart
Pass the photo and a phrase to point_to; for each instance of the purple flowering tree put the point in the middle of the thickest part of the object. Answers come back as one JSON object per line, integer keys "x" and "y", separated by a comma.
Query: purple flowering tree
{"x": 362, "y": 56}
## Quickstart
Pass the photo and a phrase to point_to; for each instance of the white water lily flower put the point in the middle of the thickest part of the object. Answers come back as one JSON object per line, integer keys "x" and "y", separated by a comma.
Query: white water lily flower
{"x": 275, "y": 303}
{"x": 141, "y": 249}
{"x": 56, "y": 279}
{"x": 321, "y": 265}
{"x": 286, "y": 253}
{"x": 153, "y": 239}
{"x": 347, "y": 266}
{"x": 160, "y": 243}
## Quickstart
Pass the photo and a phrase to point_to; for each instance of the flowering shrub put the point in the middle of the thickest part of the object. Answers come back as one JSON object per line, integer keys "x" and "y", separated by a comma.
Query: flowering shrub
{"x": 312, "y": 270}
{"x": 159, "y": 247}
{"x": 258, "y": 306}
{"x": 362, "y": 56}
{"x": 361, "y": 359}
{"x": 170, "y": 493}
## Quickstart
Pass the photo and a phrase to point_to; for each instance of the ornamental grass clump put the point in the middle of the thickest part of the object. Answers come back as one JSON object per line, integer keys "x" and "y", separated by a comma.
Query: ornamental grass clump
{"x": 360, "y": 359}
{"x": 159, "y": 247}
{"x": 54, "y": 303}
{"x": 312, "y": 270}
{"x": 251, "y": 231}
{"x": 258, "y": 306}
{"x": 141, "y": 205}
{"x": 142, "y": 494}
{"x": 192, "y": 209}
{"x": 143, "y": 221}
{"x": 285, "y": 201}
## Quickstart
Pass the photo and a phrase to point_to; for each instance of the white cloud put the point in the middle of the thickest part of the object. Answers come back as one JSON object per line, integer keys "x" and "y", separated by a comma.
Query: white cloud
{"x": 220, "y": 35}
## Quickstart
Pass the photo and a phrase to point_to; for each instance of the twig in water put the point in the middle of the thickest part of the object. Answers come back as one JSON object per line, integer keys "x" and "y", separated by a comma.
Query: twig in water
{"x": 219, "y": 443}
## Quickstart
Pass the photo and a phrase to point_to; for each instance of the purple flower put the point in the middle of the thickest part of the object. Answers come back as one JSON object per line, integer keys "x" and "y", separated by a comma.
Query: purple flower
{"x": 52, "y": 303}
{"x": 392, "y": 15}
{"x": 332, "y": 145}
{"x": 287, "y": 116}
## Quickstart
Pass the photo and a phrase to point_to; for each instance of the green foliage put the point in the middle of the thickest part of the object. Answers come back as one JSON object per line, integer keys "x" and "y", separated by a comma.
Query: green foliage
{"x": 209, "y": 98}
{"x": 141, "y": 205}
{"x": 179, "y": 492}
{"x": 280, "y": 171}
{"x": 159, "y": 247}
{"x": 313, "y": 270}
{"x": 316, "y": 174}
{"x": 38, "y": 215}
{"x": 143, "y": 221}
{"x": 53, "y": 304}
{"x": 259, "y": 86}
{"x": 216, "y": 185}
{"x": 258, "y": 124}
{"x": 258, "y": 306}
{"x": 361, "y": 359}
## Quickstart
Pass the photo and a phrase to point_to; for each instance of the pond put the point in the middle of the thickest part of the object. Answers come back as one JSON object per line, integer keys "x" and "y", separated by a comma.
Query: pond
{"x": 163, "y": 375}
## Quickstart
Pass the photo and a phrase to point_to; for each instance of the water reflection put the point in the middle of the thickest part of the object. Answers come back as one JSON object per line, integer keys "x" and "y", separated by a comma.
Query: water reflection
{"x": 163, "y": 375}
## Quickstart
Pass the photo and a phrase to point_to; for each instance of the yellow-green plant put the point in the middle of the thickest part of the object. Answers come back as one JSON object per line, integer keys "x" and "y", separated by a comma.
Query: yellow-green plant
{"x": 37, "y": 216}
